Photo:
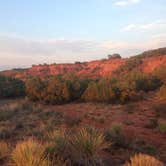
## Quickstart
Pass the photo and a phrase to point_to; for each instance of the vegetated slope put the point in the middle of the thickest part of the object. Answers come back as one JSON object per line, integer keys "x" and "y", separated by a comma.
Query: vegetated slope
{"x": 146, "y": 62}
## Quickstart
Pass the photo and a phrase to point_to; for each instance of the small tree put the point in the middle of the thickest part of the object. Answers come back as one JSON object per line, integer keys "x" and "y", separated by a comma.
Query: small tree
{"x": 114, "y": 56}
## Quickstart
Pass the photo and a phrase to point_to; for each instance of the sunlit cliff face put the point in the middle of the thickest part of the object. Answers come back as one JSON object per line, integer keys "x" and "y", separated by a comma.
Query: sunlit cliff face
{"x": 92, "y": 69}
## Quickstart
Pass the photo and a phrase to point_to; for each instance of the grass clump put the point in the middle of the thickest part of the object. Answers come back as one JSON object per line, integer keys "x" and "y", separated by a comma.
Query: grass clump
{"x": 143, "y": 160}
{"x": 29, "y": 153}
{"x": 140, "y": 146}
{"x": 152, "y": 124}
{"x": 86, "y": 144}
{"x": 160, "y": 109}
{"x": 162, "y": 92}
{"x": 72, "y": 121}
{"x": 162, "y": 127}
{"x": 116, "y": 136}
{"x": 4, "y": 150}
{"x": 57, "y": 145}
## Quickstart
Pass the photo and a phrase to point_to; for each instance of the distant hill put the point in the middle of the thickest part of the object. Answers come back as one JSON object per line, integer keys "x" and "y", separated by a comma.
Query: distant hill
{"x": 146, "y": 62}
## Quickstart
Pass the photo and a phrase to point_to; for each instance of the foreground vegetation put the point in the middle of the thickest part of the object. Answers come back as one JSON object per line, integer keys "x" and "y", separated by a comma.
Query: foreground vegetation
{"x": 32, "y": 134}
{"x": 113, "y": 121}
{"x": 126, "y": 84}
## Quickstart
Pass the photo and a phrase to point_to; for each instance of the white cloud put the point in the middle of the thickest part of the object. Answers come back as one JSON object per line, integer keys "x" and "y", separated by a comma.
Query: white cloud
{"x": 154, "y": 25}
{"x": 125, "y": 2}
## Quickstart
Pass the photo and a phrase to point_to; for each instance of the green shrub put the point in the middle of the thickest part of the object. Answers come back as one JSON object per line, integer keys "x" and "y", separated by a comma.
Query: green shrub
{"x": 140, "y": 146}
{"x": 162, "y": 127}
{"x": 57, "y": 144}
{"x": 85, "y": 145}
{"x": 161, "y": 73}
{"x": 116, "y": 136}
{"x": 11, "y": 87}
{"x": 35, "y": 88}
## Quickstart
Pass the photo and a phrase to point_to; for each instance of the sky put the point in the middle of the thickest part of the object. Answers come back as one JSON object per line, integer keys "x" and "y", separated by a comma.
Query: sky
{"x": 65, "y": 31}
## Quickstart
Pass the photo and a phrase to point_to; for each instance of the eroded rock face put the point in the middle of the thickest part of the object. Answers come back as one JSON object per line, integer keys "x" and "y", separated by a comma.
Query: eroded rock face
{"x": 98, "y": 68}
{"x": 93, "y": 68}
{"x": 151, "y": 63}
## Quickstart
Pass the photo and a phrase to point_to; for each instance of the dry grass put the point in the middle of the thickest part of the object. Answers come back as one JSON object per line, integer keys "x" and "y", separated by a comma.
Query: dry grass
{"x": 143, "y": 160}
{"x": 4, "y": 150}
{"x": 29, "y": 153}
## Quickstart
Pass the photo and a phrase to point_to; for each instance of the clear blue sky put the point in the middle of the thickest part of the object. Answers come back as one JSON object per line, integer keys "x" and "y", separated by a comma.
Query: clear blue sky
{"x": 38, "y": 31}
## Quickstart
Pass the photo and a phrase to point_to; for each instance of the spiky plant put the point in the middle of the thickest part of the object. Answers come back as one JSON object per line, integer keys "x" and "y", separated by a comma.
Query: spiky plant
{"x": 57, "y": 145}
{"x": 29, "y": 153}
{"x": 86, "y": 144}
{"x": 143, "y": 160}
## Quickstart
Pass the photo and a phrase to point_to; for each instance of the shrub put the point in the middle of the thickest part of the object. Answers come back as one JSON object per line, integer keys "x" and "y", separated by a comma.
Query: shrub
{"x": 11, "y": 87}
{"x": 86, "y": 144}
{"x": 6, "y": 132}
{"x": 161, "y": 73}
{"x": 72, "y": 121}
{"x": 114, "y": 56}
{"x": 56, "y": 92}
{"x": 153, "y": 123}
{"x": 29, "y": 153}
{"x": 160, "y": 109}
{"x": 162, "y": 127}
{"x": 140, "y": 146}
{"x": 34, "y": 88}
{"x": 143, "y": 160}
{"x": 162, "y": 92}
{"x": 91, "y": 93}
{"x": 116, "y": 136}
{"x": 57, "y": 144}
{"x": 4, "y": 150}
{"x": 6, "y": 114}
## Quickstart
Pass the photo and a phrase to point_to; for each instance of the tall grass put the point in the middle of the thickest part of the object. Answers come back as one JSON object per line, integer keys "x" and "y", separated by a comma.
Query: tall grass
{"x": 4, "y": 150}
{"x": 57, "y": 143}
{"x": 86, "y": 144}
{"x": 143, "y": 160}
{"x": 29, "y": 153}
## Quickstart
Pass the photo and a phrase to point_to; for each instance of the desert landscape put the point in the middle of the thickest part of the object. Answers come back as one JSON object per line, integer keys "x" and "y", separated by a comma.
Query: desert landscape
{"x": 89, "y": 113}
{"x": 83, "y": 83}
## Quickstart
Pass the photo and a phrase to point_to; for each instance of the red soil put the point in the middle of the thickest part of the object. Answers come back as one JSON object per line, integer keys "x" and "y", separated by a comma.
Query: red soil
{"x": 134, "y": 123}
{"x": 98, "y": 68}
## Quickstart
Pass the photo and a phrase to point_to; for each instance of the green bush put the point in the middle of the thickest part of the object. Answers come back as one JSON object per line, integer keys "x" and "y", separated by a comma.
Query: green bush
{"x": 162, "y": 127}
{"x": 85, "y": 145}
{"x": 11, "y": 87}
{"x": 116, "y": 136}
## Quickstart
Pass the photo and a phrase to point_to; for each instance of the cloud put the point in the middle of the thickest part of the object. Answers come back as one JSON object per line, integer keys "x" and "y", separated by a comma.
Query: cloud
{"x": 125, "y": 2}
{"x": 154, "y": 25}
{"x": 22, "y": 52}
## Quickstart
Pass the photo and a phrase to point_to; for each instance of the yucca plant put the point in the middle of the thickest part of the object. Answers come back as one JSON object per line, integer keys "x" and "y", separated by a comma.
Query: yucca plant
{"x": 143, "y": 160}
{"x": 4, "y": 150}
{"x": 30, "y": 153}
{"x": 85, "y": 145}
{"x": 57, "y": 143}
